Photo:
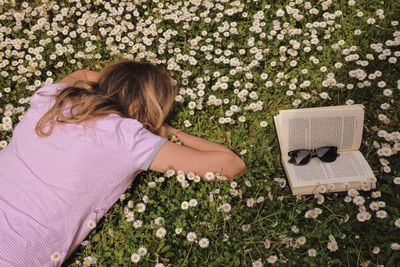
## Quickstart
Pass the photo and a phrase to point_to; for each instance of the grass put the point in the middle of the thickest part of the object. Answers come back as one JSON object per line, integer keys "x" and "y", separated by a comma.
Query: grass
{"x": 240, "y": 237}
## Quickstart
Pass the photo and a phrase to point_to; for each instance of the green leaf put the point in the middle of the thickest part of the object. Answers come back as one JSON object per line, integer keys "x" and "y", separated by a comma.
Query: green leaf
{"x": 165, "y": 249}
{"x": 96, "y": 238}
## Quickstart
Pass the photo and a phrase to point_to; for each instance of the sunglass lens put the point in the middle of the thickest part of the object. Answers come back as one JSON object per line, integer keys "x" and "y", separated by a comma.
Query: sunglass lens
{"x": 327, "y": 154}
{"x": 300, "y": 157}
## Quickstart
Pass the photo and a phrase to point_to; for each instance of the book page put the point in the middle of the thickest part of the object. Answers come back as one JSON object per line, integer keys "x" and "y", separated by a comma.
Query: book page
{"x": 349, "y": 166}
{"x": 312, "y": 129}
{"x": 329, "y": 108}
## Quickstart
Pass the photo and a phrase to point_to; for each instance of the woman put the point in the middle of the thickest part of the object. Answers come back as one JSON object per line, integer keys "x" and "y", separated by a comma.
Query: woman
{"x": 78, "y": 148}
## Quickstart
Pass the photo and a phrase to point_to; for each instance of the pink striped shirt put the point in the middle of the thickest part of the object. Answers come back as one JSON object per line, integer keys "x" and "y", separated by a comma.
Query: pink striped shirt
{"x": 52, "y": 187}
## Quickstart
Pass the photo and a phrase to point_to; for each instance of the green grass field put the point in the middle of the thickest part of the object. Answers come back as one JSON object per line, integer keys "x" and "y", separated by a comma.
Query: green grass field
{"x": 237, "y": 63}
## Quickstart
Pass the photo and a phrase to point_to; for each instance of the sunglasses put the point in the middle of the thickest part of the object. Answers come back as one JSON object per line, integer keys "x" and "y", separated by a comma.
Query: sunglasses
{"x": 303, "y": 156}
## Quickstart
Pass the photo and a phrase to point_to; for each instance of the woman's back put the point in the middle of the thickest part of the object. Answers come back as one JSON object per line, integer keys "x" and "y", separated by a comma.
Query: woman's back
{"x": 47, "y": 199}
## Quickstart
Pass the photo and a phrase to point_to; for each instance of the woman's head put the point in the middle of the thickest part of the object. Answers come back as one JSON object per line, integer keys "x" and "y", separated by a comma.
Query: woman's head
{"x": 141, "y": 91}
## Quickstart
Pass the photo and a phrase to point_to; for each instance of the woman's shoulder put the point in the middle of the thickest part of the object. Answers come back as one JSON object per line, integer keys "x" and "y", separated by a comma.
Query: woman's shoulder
{"x": 84, "y": 74}
{"x": 133, "y": 129}
{"x": 121, "y": 125}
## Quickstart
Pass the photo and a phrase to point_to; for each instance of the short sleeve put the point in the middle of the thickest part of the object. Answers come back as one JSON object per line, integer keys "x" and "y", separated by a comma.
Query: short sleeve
{"x": 144, "y": 145}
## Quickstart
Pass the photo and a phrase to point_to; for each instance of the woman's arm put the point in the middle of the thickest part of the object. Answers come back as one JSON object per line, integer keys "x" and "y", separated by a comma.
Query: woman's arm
{"x": 86, "y": 75}
{"x": 197, "y": 142}
{"x": 187, "y": 159}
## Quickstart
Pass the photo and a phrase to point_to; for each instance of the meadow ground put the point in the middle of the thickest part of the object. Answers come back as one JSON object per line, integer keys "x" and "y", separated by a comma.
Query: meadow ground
{"x": 237, "y": 64}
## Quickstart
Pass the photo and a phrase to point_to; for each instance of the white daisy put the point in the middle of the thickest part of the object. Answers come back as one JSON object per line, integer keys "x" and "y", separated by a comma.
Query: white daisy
{"x": 185, "y": 205}
{"x": 191, "y": 236}
{"x": 381, "y": 214}
{"x": 160, "y": 232}
{"x": 203, "y": 242}
{"x": 169, "y": 172}
{"x": 395, "y": 246}
{"x": 137, "y": 224}
{"x": 130, "y": 216}
{"x": 91, "y": 224}
{"x": 185, "y": 184}
{"x": 226, "y": 207}
{"x": 376, "y": 250}
{"x": 180, "y": 178}
{"x": 141, "y": 207}
{"x": 151, "y": 184}
{"x": 312, "y": 252}
{"x": 135, "y": 258}
{"x": 89, "y": 260}
{"x": 301, "y": 240}
{"x": 397, "y": 223}
{"x": 272, "y": 259}
{"x": 55, "y": 256}
{"x": 209, "y": 176}
{"x": 332, "y": 246}
{"x": 142, "y": 251}
{"x": 257, "y": 263}
{"x": 250, "y": 202}
{"x": 193, "y": 202}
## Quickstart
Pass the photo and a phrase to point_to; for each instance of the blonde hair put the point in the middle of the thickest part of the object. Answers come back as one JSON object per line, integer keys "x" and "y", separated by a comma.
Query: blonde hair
{"x": 141, "y": 91}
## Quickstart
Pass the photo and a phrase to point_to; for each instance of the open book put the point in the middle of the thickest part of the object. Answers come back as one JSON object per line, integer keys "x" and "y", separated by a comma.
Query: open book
{"x": 311, "y": 128}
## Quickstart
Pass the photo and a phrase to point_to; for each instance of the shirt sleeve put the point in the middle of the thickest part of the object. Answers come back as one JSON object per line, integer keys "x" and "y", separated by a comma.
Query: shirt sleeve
{"x": 48, "y": 90}
{"x": 144, "y": 145}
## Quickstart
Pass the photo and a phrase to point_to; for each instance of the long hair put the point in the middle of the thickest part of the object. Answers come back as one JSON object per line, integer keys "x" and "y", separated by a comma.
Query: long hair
{"x": 141, "y": 91}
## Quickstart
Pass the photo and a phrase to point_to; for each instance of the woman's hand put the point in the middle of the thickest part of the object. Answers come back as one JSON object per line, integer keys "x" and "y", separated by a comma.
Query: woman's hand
{"x": 166, "y": 129}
